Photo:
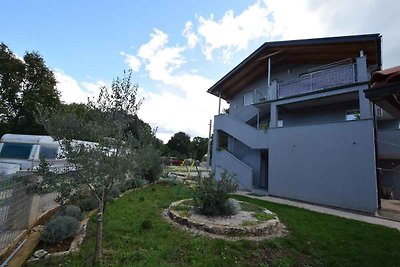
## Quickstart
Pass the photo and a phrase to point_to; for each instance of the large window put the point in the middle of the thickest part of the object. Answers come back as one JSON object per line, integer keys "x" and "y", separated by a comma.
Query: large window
{"x": 248, "y": 98}
{"x": 16, "y": 151}
{"x": 352, "y": 115}
{"x": 48, "y": 152}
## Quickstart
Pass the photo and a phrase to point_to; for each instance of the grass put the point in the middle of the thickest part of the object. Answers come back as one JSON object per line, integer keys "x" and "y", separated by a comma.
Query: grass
{"x": 315, "y": 239}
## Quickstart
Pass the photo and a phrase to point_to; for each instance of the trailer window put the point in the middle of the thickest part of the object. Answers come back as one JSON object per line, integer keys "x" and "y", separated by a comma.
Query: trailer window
{"x": 48, "y": 152}
{"x": 16, "y": 151}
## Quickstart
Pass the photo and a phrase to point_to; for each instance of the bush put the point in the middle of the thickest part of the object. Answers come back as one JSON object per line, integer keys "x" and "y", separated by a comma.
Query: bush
{"x": 211, "y": 196}
{"x": 134, "y": 183}
{"x": 232, "y": 206}
{"x": 71, "y": 211}
{"x": 59, "y": 229}
{"x": 114, "y": 193}
{"x": 148, "y": 163}
{"x": 88, "y": 204}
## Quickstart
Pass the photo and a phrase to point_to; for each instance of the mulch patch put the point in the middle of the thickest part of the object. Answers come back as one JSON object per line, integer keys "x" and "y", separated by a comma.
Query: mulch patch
{"x": 53, "y": 248}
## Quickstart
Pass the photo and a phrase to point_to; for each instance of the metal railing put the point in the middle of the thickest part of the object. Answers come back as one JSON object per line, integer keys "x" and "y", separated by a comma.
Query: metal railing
{"x": 19, "y": 210}
{"x": 324, "y": 78}
{"x": 263, "y": 94}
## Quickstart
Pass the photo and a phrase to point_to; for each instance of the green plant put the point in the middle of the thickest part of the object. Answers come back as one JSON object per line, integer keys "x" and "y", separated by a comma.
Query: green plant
{"x": 146, "y": 224}
{"x": 114, "y": 193}
{"x": 88, "y": 204}
{"x": 211, "y": 195}
{"x": 71, "y": 211}
{"x": 59, "y": 228}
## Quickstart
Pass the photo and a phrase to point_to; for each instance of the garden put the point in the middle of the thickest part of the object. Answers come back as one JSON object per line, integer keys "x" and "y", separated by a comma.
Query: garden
{"x": 136, "y": 233}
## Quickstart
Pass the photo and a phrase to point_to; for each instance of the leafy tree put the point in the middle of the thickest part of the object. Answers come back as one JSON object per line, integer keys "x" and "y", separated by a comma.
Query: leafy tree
{"x": 199, "y": 147}
{"x": 111, "y": 159}
{"x": 179, "y": 145}
{"x": 24, "y": 85}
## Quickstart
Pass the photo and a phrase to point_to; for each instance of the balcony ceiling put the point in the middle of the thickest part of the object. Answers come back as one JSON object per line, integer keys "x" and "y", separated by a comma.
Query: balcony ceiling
{"x": 288, "y": 53}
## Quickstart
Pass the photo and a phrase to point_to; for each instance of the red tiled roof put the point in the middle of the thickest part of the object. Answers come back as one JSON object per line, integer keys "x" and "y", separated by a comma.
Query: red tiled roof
{"x": 383, "y": 77}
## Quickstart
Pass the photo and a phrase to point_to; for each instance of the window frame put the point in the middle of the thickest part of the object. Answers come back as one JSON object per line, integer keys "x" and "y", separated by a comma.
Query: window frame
{"x": 248, "y": 94}
{"x": 354, "y": 112}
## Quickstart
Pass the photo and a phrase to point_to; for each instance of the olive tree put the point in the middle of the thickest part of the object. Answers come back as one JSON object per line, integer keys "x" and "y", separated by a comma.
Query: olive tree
{"x": 109, "y": 157}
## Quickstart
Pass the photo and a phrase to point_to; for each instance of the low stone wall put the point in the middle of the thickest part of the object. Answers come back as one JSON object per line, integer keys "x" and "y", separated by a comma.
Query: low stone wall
{"x": 269, "y": 228}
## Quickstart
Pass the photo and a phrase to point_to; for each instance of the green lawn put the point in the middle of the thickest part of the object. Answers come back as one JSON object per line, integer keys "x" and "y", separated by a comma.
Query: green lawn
{"x": 314, "y": 240}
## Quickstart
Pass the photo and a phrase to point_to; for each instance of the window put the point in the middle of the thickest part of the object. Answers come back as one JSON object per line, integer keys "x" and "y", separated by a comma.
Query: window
{"x": 352, "y": 115}
{"x": 16, "y": 151}
{"x": 48, "y": 152}
{"x": 248, "y": 98}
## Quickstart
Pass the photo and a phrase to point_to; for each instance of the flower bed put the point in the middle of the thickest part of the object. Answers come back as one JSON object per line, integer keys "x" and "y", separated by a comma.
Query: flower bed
{"x": 252, "y": 221}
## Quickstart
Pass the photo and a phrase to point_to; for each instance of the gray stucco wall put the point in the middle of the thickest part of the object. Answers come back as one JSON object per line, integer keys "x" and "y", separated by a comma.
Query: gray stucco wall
{"x": 388, "y": 143}
{"x": 224, "y": 160}
{"x": 325, "y": 113}
{"x": 331, "y": 164}
{"x": 250, "y": 157}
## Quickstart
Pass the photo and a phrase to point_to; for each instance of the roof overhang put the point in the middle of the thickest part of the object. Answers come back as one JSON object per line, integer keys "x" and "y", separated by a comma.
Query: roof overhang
{"x": 284, "y": 54}
{"x": 387, "y": 97}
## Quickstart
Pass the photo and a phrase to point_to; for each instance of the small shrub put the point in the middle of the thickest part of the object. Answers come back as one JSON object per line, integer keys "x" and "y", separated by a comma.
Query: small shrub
{"x": 146, "y": 224}
{"x": 59, "y": 229}
{"x": 211, "y": 196}
{"x": 135, "y": 183}
{"x": 114, "y": 193}
{"x": 148, "y": 163}
{"x": 88, "y": 204}
{"x": 71, "y": 211}
{"x": 232, "y": 206}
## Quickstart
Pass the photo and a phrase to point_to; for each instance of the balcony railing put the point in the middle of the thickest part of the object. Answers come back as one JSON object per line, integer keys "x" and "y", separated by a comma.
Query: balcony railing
{"x": 263, "y": 94}
{"x": 318, "y": 80}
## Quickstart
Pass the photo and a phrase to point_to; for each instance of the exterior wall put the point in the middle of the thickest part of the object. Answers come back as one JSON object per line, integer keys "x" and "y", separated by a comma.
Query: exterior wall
{"x": 226, "y": 161}
{"x": 320, "y": 114}
{"x": 388, "y": 143}
{"x": 330, "y": 164}
{"x": 236, "y": 103}
{"x": 250, "y": 157}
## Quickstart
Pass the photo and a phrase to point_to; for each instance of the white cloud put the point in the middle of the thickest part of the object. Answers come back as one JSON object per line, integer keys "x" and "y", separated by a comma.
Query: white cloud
{"x": 161, "y": 60}
{"x": 233, "y": 33}
{"x": 191, "y": 37}
{"x": 132, "y": 61}
{"x": 74, "y": 92}
{"x": 183, "y": 104}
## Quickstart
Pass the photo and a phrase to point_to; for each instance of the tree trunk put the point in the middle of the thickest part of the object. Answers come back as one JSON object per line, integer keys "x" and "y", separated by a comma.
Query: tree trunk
{"x": 99, "y": 229}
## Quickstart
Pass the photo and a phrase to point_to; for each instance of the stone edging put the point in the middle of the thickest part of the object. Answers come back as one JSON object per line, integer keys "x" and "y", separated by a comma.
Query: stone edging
{"x": 271, "y": 228}
{"x": 80, "y": 236}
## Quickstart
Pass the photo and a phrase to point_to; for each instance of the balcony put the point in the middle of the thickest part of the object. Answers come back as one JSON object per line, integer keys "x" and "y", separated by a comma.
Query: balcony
{"x": 328, "y": 76}
{"x": 318, "y": 80}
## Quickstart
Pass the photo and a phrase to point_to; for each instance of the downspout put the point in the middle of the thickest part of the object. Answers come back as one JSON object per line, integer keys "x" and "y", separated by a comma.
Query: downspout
{"x": 269, "y": 71}
{"x": 378, "y": 173}
{"x": 219, "y": 103}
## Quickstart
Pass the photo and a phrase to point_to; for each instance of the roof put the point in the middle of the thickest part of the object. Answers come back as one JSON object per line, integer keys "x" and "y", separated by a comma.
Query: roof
{"x": 28, "y": 139}
{"x": 385, "y": 90}
{"x": 287, "y": 53}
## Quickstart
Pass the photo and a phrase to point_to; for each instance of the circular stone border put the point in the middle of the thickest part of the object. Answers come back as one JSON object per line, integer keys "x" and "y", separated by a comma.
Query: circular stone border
{"x": 269, "y": 229}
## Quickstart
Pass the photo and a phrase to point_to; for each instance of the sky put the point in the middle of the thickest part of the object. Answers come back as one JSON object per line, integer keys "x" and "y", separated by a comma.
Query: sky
{"x": 177, "y": 49}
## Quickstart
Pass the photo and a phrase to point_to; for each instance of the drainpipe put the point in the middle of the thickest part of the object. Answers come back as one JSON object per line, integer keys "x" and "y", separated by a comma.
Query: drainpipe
{"x": 219, "y": 103}
{"x": 269, "y": 71}
{"x": 378, "y": 183}
{"x": 209, "y": 148}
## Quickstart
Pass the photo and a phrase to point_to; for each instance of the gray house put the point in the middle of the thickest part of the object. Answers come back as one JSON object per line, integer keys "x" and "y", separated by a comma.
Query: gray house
{"x": 299, "y": 125}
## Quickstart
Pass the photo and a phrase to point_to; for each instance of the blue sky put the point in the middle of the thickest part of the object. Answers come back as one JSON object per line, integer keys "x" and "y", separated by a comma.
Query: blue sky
{"x": 177, "y": 49}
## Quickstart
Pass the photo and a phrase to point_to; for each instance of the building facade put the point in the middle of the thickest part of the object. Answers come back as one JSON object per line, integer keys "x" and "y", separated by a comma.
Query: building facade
{"x": 299, "y": 125}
